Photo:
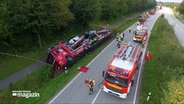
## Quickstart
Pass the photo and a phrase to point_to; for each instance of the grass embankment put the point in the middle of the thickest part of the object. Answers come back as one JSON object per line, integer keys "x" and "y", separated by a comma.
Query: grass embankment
{"x": 10, "y": 65}
{"x": 165, "y": 72}
{"x": 39, "y": 81}
{"x": 180, "y": 17}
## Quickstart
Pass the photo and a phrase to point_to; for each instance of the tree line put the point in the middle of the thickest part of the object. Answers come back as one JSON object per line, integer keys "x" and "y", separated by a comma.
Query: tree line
{"x": 24, "y": 23}
{"x": 181, "y": 7}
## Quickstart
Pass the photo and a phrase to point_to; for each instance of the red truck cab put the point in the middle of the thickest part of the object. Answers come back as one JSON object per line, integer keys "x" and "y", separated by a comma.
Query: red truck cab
{"x": 119, "y": 75}
{"x": 140, "y": 34}
{"x": 62, "y": 55}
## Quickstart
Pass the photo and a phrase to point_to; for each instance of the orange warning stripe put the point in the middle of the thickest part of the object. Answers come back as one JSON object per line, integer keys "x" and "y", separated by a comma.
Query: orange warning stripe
{"x": 114, "y": 86}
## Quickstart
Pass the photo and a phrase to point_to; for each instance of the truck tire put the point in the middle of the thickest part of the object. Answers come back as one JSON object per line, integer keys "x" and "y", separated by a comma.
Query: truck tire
{"x": 137, "y": 67}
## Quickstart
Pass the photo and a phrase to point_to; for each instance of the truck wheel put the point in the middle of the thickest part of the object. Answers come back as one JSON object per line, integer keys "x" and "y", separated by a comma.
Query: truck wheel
{"x": 138, "y": 65}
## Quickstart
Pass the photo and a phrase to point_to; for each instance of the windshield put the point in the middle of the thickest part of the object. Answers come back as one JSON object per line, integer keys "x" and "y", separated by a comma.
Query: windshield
{"x": 116, "y": 80}
{"x": 140, "y": 33}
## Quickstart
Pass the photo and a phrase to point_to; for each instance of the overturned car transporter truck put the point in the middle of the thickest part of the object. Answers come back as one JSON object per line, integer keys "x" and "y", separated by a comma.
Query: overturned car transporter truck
{"x": 63, "y": 55}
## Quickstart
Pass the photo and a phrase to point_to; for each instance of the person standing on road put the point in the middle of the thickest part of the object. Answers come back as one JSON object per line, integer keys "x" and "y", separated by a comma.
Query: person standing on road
{"x": 122, "y": 36}
{"x": 119, "y": 42}
{"x": 130, "y": 29}
{"x": 117, "y": 36}
{"x": 90, "y": 83}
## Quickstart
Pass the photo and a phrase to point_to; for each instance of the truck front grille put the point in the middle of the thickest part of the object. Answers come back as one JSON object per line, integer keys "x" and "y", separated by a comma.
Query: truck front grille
{"x": 115, "y": 90}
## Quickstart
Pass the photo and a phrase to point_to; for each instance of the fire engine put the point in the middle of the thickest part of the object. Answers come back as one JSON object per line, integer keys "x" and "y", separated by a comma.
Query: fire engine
{"x": 152, "y": 12}
{"x": 143, "y": 17}
{"x": 120, "y": 74}
{"x": 140, "y": 34}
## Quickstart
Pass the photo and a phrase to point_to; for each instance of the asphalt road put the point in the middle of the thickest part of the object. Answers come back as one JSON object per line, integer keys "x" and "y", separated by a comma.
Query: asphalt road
{"x": 77, "y": 92}
{"x": 177, "y": 25}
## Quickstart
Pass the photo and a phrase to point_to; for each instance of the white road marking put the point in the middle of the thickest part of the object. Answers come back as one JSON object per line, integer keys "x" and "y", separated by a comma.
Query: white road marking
{"x": 63, "y": 89}
{"x": 80, "y": 73}
{"x": 96, "y": 96}
{"x": 137, "y": 85}
{"x": 139, "y": 74}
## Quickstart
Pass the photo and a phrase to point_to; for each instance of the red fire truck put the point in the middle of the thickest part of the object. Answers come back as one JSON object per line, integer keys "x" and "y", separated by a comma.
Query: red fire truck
{"x": 152, "y": 12}
{"x": 140, "y": 34}
{"x": 119, "y": 76}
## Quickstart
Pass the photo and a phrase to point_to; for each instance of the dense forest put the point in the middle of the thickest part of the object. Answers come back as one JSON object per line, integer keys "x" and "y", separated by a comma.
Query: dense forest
{"x": 29, "y": 23}
{"x": 181, "y": 7}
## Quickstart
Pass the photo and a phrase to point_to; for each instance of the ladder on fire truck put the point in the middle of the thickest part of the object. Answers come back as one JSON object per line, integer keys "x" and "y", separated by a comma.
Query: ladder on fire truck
{"x": 128, "y": 52}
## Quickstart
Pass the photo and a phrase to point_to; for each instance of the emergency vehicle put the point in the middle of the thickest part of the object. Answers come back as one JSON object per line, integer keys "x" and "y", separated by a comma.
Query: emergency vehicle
{"x": 140, "y": 34}
{"x": 152, "y": 12}
{"x": 120, "y": 74}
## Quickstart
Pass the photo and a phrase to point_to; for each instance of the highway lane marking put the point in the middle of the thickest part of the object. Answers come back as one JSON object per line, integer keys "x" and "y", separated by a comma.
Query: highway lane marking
{"x": 137, "y": 85}
{"x": 63, "y": 89}
{"x": 80, "y": 72}
{"x": 96, "y": 96}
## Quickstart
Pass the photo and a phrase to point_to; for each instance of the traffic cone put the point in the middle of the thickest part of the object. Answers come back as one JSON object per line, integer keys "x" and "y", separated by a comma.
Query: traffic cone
{"x": 148, "y": 56}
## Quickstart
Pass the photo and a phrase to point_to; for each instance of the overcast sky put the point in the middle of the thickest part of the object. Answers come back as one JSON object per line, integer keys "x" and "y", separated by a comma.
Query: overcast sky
{"x": 178, "y": 1}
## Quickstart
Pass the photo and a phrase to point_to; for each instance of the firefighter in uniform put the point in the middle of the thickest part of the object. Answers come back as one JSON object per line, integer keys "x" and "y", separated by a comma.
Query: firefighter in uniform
{"x": 122, "y": 36}
{"x": 117, "y": 36}
{"x": 130, "y": 29}
{"x": 90, "y": 83}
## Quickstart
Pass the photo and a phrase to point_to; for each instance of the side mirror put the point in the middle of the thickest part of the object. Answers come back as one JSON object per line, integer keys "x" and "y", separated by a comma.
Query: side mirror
{"x": 103, "y": 73}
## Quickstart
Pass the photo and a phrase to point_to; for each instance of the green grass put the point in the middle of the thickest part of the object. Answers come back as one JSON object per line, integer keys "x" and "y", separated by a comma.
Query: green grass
{"x": 121, "y": 27}
{"x": 12, "y": 64}
{"x": 39, "y": 81}
{"x": 98, "y": 22}
{"x": 167, "y": 63}
{"x": 180, "y": 17}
